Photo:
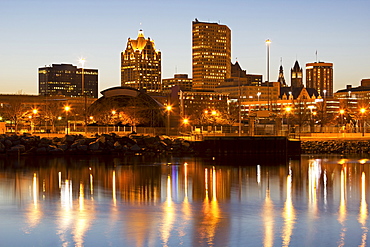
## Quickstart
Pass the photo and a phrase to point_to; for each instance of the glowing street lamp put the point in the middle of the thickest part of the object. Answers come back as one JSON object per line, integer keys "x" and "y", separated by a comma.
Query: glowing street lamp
{"x": 363, "y": 111}
{"x": 341, "y": 112}
{"x": 168, "y": 108}
{"x": 67, "y": 108}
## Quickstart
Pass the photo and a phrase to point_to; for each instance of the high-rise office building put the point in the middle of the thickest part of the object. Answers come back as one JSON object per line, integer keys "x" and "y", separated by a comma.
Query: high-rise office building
{"x": 296, "y": 76}
{"x": 66, "y": 80}
{"x": 211, "y": 54}
{"x": 141, "y": 65}
{"x": 319, "y": 75}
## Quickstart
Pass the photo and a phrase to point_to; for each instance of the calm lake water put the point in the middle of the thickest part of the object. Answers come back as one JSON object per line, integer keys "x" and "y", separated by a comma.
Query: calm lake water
{"x": 105, "y": 201}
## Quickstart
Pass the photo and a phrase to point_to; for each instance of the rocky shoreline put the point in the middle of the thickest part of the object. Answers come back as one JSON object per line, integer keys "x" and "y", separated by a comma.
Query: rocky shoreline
{"x": 27, "y": 144}
{"x": 132, "y": 144}
{"x": 335, "y": 147}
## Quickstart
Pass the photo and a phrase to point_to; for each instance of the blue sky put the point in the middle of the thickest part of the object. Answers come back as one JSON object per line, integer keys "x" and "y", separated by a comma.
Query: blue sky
{"x": 35, "y": 33}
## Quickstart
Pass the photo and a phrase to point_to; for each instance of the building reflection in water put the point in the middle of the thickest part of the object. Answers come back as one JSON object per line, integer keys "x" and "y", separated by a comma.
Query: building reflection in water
{"x": 34, "y": 214}
{"x": 268, "y": 215}
{"x": 288, "y": 212}
{"x": 190, "y": 203}
{"x": 342, "y": 214}
{"x": 363, "y": 214}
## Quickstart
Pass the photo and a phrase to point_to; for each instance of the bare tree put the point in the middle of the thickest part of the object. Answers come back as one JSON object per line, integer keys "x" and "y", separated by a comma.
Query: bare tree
{"x": 14, "y": 110}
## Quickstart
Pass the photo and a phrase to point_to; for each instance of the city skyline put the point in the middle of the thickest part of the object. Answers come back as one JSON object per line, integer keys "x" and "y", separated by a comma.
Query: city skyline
{"x": 37, "y": 35}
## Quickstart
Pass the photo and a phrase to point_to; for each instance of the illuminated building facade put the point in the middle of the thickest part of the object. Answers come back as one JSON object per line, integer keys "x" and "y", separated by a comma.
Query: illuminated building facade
{"x": 296, "y": 76}
{"x": 141, "y": 65}
{"x": 319, "y": 75}
{"x": 181, "y": 80}
{"x": 66, "y": 80}
{"x": 211, "y": 54}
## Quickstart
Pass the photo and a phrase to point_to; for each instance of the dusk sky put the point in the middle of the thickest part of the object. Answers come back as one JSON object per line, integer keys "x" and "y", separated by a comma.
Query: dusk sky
{"x": 36, "y": 33}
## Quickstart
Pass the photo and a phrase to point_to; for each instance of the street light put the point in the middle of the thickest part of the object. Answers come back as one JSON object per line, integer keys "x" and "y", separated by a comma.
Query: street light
{"x": 341, "y": 112}
{"x": 113, "y": 114}
{"x": 363, "y": 110}
{"x": 288, "y": 109}
{"x": 185, "y": 122}
{"x": 82, "y": 61}
{"x": 168, "y": 108}
{"x": 67, "y": 108}
{"x": 311, "y": 107}
{"x": 268, "y": 43}
{"x": 258, "y": 99}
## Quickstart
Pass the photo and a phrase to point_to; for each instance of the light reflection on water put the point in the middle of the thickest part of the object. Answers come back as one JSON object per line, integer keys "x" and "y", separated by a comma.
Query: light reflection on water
{"x": 94, "y": 201}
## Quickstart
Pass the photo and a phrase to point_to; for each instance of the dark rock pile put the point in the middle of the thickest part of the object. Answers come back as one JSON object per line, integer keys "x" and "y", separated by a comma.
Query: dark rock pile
{"x": 335, "y": 147}
{"x": 27, "y": 144}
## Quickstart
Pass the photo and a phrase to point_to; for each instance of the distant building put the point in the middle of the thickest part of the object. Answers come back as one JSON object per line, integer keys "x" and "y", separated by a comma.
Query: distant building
{"x": 360, "y": 92}
{"x": 195, "y": 102}
{"x": 319, "y": 75}
{"x": 211, "y": 54}
{"x": 181, "y": 80}
{"x": 66, "y": 80}
{"x": 296, "y": 76}
{"x": 141, "y": 65}
{"x": 242, "y": 84}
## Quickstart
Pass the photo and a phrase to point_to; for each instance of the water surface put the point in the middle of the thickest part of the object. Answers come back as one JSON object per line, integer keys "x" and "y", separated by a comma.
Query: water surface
{"x": 113, "y": 201}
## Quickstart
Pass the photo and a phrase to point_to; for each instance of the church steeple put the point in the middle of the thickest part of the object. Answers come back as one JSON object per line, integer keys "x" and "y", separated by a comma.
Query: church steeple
{"x": 281, "y": 78}
{"x": 296, "y": 76}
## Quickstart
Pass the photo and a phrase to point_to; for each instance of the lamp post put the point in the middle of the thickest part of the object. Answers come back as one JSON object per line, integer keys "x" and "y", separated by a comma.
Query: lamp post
{"x": 363, "y": 110}
{"x": 185, "y": 123}
{"x": 113, "y": 115}
{"x": 258, "y": 99}
{"x": 214, "y": 114}
{"x": 67, "y": 109}
{"x": 288, "y": 109}
{"x": 311, "y": 118}
{"x": 341, "y": 112}
{"x": 268, "y": 43}
{"x": 168, "y": 108}
{"x": 34, "y": 112}
{"x": 82, "y": 61}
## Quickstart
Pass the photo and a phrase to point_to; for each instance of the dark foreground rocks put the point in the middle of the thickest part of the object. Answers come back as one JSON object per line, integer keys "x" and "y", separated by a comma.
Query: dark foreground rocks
{"x": 335, "y": 147}
{"x": 27, "y": 144}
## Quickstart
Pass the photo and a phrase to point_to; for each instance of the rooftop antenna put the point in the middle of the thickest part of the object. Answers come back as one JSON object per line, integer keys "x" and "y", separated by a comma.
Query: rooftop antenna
{"x": 281, "y": 61}
{"x": 316, "y": 56}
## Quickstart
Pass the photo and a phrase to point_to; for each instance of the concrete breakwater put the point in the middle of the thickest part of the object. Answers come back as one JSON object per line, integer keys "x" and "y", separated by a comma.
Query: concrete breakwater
{"x": 335, "y": 147}
{"x": 27, "y": 144}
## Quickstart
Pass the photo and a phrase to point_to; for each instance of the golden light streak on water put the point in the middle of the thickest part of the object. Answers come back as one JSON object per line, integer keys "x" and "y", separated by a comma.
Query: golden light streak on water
{"x": 91, "y": 184}
{"x": 186, "y": 208}
{"x": 34, "y": 214}
{"x": 114, "y": 188}
{"x": 186, "y": 180}
{"x": 81, "y": 224}
{"x": 206, "y": 182}
{"x": 342, "y": 206}
{"x": 60, "y": 179}
{"x": 214, "y": 188}
{"x": 313, "y": 182}
{"x": 65, "y": 215}
{"x": 363, "y": 214}
{"x": 268, "y": 220}
{"x": 288, "y": 214}
{"x": 210, "y": 212}
{"x": 168, "y": 217}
